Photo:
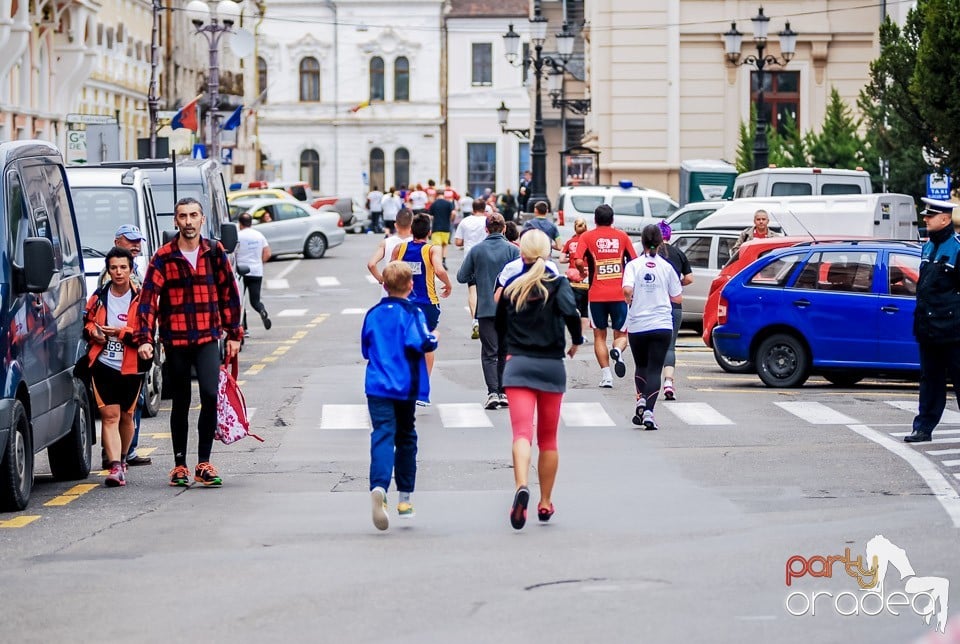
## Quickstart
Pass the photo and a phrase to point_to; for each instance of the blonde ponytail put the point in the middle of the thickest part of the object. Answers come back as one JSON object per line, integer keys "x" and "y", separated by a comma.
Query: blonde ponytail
{"x": 534, "y": 248}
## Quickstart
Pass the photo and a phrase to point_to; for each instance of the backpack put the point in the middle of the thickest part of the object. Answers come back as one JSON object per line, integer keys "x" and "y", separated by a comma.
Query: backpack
{"x": 232, "y": 421}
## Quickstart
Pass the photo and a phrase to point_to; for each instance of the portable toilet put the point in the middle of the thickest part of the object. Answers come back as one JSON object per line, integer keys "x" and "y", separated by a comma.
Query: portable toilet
{"x": 706, "y": 180}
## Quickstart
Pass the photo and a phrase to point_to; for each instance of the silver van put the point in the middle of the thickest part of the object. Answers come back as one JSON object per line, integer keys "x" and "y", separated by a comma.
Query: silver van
{"x": 801, "y": 182}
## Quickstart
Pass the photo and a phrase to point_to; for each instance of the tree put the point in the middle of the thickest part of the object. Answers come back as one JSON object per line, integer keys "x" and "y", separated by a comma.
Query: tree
{"x": 787, "y": 150}
{"x": 837, "y": 145}
{"x": 934, "y": 83}
{"x": 744, "y": 162}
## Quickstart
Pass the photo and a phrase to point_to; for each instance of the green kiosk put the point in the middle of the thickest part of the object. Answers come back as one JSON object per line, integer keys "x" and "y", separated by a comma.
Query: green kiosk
{"x": 706, "y": 180}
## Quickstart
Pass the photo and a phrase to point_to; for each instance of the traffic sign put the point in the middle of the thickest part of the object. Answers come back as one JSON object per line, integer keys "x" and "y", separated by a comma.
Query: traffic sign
{"x": 938, "y": 186}
{"x": 91, "y": 119}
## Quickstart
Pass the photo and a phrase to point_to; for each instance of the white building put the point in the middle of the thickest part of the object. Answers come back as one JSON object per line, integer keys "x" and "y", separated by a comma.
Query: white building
{"x": 353, "y": 93}
{"x": 479, "y": 78}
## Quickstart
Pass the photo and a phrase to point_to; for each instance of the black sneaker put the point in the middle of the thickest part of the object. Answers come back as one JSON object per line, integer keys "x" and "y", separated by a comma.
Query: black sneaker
{"x": 207, "y": 474}
{"x": 619, "y": 367}
{"x": 638, "y": 412}
{"x": 266, "y": 319}
{"x": 518, "y": 512}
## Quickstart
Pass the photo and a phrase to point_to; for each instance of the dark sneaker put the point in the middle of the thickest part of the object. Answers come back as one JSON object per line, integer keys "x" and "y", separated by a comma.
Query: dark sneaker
{"x": 381, "y": 520}
{"x": 544, "y": 514}
{"x": 115, "y": 478}
{"x": 619, "y": 367}
{"x": 918, "y": 437}
{"x": 266, "y": 319}
{"x": 638, "y": 412}
{"x": 503, "y": 401}
{"x": 134, "y": 461}
{"x": 648, "y": 422}
{"x": 518, "y": 513}
{"x": 207, "y": 474}
{"x": 493, "y": 401}
{"x": 180, "y": 476}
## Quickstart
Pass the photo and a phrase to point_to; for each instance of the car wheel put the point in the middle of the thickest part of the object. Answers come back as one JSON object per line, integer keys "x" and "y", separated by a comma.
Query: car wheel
{"x": 730, "y": 365}
{"x": 16, "y": 469}
{"x": 70, "y": 456}
{"x": 315, "y": 246}
{"x": 154, "y": 386}
{"x": 782, "y": 361}
{"x": 843, "y": 379}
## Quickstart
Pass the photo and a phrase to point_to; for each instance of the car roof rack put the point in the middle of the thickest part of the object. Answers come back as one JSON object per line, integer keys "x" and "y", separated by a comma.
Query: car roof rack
{"x": 855, "y": 242}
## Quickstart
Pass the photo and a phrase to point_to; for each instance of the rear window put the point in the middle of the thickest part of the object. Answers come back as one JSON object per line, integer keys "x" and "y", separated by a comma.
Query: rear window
{"x": 661, "y": 208}
{"x": 627, "y": 205}
{"x": 100, "y": 211}
{"x": 747, "y": 190}
{"x": 299, "y": 192}
{"x": 777, "y": 272}
{"x": 586, "y": 203}
{"x": 791, "y": 189}
{"x": 840, "y": 189}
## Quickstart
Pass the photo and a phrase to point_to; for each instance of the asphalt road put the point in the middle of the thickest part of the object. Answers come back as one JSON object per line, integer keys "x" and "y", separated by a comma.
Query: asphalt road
{"x": 680, "y": 535}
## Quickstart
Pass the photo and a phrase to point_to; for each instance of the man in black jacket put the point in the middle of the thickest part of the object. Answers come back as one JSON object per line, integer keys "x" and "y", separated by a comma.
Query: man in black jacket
{"x": 936, "y": 321}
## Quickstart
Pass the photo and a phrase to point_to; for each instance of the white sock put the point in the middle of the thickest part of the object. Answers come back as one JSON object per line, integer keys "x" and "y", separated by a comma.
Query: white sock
{"x": 605, "y": 372}
{"x": 405, "y": 497}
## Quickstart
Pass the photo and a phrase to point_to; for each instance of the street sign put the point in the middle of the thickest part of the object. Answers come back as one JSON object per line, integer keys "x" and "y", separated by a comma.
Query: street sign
{"x": 91, "y": 119}
{"x": 226, "y": 156}
{"x": 76, "y": 146}
{"x": 938, "y": 186}
{"x": 199, "y": 151}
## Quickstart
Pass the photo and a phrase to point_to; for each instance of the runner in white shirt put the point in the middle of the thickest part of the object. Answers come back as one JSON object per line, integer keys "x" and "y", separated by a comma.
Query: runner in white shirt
{"x": 391, "y": 205}
{"x": 418, "y": 200}
{"x": 375, "y": 205}
{"x": 649, "y": 286}
{"x": 252, "y": 251}
{"x": 385, "y": 250}
{"x": 471, "y": 231}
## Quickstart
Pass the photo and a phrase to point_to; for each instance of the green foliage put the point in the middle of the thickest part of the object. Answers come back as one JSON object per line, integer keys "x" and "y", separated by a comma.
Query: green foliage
{"x": 744, "y": 162}
{"x": 934, "y": 81}
{"x": 787, "y": 150}
{"x": 837, "y": 145}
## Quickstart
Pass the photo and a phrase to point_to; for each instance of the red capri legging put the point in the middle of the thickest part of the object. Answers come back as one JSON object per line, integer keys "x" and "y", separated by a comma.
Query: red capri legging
{"x": 524, "y": 403}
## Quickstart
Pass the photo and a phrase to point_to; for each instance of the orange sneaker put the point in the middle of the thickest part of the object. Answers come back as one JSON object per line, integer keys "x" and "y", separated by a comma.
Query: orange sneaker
{"x": 207, "y": 474}
{"x": 180, "y": 476}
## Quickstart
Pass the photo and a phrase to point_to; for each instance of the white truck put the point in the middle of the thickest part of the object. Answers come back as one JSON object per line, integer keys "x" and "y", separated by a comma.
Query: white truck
{"x": 881, "y": 215}
{"x": 801, "y": 182}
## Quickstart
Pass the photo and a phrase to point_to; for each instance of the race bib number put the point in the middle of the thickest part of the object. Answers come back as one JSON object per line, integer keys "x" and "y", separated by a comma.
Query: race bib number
{"x": 609, "y": 269}
{"x": 415, "y": 267}
{"x": 114, "y": 349}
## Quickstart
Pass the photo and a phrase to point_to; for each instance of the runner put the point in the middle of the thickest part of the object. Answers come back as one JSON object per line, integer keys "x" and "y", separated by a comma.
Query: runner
{"x": 385, "y": 249}
{"x": 471, "y": 231}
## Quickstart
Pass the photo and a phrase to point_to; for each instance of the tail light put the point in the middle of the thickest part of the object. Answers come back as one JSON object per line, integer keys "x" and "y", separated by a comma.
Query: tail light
{"x": 339, "y": 223}
{"x": 722, "y": 306}
{"x": 560, "y": 217}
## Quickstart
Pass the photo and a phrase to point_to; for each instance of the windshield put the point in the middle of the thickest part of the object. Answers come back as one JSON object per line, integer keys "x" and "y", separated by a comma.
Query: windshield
{"x": 163, "y": 198}
{"x": 100, "y": 211}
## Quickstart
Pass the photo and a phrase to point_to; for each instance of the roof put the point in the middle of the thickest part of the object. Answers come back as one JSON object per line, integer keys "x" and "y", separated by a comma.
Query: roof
{"x": 488, "y": 8}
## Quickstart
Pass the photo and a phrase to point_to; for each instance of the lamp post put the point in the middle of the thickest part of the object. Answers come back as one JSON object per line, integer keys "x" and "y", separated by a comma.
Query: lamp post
{"x": 503, "y": 114}
{"x": 788, "y": 45}
{"x": 212, "y": 25}
{"x": 538, "y": 150}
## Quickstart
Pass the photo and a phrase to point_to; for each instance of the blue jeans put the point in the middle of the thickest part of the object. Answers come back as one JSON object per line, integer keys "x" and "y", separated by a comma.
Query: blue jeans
{"x": 393, "y": 443}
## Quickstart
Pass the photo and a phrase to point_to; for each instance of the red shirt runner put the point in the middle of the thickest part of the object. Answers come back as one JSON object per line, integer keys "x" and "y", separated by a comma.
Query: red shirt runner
{"x": 604, "y": 251}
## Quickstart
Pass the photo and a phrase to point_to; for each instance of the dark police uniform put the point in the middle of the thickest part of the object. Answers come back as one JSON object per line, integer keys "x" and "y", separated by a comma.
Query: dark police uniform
{"x": 936, "y": 323}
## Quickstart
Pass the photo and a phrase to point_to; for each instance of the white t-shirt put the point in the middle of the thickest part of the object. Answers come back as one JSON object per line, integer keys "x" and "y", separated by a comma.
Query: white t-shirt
{"x": 391, "y": 206}
{"x": 191, "y": 256}
{"x": 389, "y": 245}
{"x": 654, "y": 282}
{"x": 117, "y": 307}
{"x": 250, "y": 245}
{"x": 376, "y": 200}
{"x": 418, "y": 200}
{"x": 472, "y": 230}
{"x": 515, "y": 266}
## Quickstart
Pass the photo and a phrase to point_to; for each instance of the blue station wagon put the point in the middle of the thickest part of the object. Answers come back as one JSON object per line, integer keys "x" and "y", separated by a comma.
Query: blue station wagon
{"x": 843, "y": 310}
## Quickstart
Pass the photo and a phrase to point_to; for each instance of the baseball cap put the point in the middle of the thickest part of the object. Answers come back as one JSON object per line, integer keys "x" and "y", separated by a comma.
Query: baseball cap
{"x": 129, "y": 231}
{"x": 937, "y": 207}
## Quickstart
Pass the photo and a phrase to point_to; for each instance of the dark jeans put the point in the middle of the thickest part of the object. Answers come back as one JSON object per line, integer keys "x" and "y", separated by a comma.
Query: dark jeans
{"x": 205, "y": 360}
{"x": 376, "y": 221}
{"x": 649, "y": 350}
{"x": 253, "y": 284}
{"x": 936, "y": 361}
{"x": 393, "y": 443}
{"x": 492, "y": 358}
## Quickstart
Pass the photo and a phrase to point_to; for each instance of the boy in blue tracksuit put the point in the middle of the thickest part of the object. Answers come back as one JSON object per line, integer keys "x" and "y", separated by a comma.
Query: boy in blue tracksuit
{"x": 394, "y": 340}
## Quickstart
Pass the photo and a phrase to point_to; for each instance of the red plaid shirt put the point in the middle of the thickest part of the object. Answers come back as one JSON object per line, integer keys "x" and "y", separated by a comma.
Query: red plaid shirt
{"x": 195, "y": 305}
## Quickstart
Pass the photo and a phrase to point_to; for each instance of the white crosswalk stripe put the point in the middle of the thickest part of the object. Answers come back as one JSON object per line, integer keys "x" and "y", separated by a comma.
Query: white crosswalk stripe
{"x": 694, "y": 413}
{"x": 277, "y": 284}
{"x": 949, "y": 417}
{"x": 353, "y": 311}
{"x": 372, "y": 279}
{"x": 344, "y": 417}
{"x": 328, "y": 281}
{"x": 458, "y": 415}
{"x": 940, "y": 432}
{"x": 588, "y": 414}
{"x": 942, "y": 452}
{"x": 292, "y": 313}
{"x": 816, "y": 413}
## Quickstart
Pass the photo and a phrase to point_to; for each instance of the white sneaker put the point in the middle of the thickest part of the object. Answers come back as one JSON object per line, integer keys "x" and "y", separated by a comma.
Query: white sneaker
{"x": 381, "y": 520}
{"x": 606, "y": 382}
{"x": 648, "y": 422}
{"x": 493, "y": 401}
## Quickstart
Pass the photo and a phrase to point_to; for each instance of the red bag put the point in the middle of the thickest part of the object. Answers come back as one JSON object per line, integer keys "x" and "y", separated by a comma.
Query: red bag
{"x": 232, "y": 421}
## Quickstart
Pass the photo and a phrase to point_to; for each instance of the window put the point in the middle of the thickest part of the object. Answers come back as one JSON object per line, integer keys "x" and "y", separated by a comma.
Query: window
{"x": 627, "y": 205}
{"x": 309, "y": 79}
{"x": 376, "y": 79}
{"x": 481, "y": 167}
{"x": 724, "y": 249}
{"x": 832, "y": 271}
{"x": 523, "y": 154}
{"x": 697, "y": 250}
{"x": 586, "y": 203}
{"x": 286, "y": 212}
{"x": 840, "y": 189}
{"x": 776, "y": 272}
{"x": 310, "y": 168}
{"x": 100, "y": 211}
{"x": 401, "y": 168}
{"x": 660, "y": 208}
{"x": 262, "y": 79}
{"x": 525, "y": 67}
{"x": 781, "y": 97}
{"x": 376, "y": 167}
{"x": 482, "y": 63}
{"x": 903, "y": 274}
{"x": 791, "y": 189}
{"x": 401, "y": 79}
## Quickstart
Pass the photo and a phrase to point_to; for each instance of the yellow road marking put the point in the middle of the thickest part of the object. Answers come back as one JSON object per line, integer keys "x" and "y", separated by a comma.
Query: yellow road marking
{"x": 289, "y": 344}
{"x": 281, "y": 350}
{"x": 268, "y": 359}
{"x": 320, "y": 318}
{"x": 299, "y": 335}
{"x": 72, "y": 494}
{"x": 146, "y": 451}
{"x": 255, "y": 369}
{"x": 159, "y": 435}
{"x": 19, "y": 522}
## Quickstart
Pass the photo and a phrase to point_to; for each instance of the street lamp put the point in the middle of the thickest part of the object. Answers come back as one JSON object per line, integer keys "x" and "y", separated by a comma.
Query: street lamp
{"x": 788, "y": 47}
{"x": 503, "y": 113}
{"x": 511, "y": 42}
{"x": 212, "y": 25}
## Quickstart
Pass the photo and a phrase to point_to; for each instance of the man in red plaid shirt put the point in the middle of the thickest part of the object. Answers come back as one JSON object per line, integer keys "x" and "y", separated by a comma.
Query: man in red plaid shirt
{"x": 199, "y": 302}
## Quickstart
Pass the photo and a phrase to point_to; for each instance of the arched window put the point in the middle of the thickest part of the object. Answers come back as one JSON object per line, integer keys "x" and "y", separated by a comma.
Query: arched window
{"x": 262, "y": 79}
{"x": 376, "y": 167}
{"x": 401, "y": 167}
{"x": 309, "y": 79}
{"x": 401, "y": 79}
{"x": 310, "y": 168}
{"x": 376, "y": 79}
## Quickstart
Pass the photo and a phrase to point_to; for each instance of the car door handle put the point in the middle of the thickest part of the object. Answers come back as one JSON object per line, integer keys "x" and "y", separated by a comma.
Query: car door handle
{"x": 801, "y": 303}
{"x": 890, "y": 308}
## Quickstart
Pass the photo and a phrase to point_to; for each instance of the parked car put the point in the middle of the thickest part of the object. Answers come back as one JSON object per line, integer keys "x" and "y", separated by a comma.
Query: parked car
{"x": 687, "y": 217}
{"x": 353, "y": 217}
{"x": 707, "y": 251}
{"x": 295, "y": 227}
{"x": 839, "y": 309}
{"x": 259, "y": 193}
{"x": 633, "y": 207}
{"x": 42, "y": 297}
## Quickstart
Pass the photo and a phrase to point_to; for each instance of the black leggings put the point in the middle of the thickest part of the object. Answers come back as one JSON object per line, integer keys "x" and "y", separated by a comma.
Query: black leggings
{"x": 252, "y": 285}
{"x": 649, "y": 350}
{"x": 205, "y": 359}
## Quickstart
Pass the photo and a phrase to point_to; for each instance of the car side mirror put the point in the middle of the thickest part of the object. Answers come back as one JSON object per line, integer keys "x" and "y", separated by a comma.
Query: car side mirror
{"x": 228, "y": 237}
{"x": 243, "y": 269}
{"x": 38, "y": 264}
{"x": 168, "y": 236}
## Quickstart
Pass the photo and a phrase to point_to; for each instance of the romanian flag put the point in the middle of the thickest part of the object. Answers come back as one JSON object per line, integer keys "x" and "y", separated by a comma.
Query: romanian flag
{"x": 359, "y": 106}
{"x": 186, "y": 116}
{"x": 233, "y": 122}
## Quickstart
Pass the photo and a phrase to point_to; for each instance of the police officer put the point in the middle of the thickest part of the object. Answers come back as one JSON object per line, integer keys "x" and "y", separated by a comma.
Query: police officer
{"x": 936, "y": 321}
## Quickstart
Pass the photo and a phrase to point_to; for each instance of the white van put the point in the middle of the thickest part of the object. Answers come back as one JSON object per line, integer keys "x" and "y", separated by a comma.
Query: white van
{"x": 801, "y": 182}
{"x": 883, "y": 216}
